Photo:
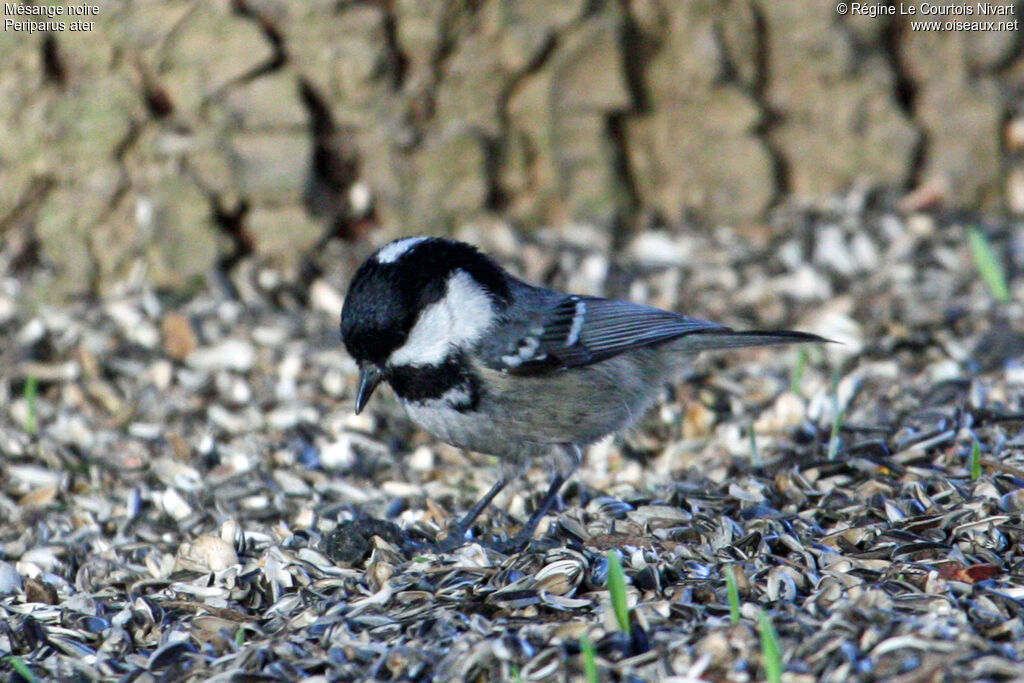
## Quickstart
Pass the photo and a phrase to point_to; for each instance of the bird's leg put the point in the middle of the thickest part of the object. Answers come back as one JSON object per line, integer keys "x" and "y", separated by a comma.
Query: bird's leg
{"x": 457, "y": 534}
{"x": 525, "y": 534}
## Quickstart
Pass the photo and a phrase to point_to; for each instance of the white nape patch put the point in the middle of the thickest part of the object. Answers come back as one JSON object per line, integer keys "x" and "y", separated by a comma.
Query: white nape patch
{"x": 578, "y": 319}
{"x": 390, "y": 253}
{"x": 458, "y": 320}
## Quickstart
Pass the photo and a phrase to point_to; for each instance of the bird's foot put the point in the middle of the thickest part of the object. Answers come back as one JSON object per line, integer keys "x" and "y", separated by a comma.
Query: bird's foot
{"x": 455, "y": 539}
{"x": 510, "y": 546}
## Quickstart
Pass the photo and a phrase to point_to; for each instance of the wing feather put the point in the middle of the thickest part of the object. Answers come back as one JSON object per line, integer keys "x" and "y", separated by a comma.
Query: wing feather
{"x": 580, "y": 330}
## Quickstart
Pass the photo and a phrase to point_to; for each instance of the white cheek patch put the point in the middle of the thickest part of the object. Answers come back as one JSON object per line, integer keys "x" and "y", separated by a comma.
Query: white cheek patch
{"x": 458, "y": 320}
{"x": 392, "y": 252}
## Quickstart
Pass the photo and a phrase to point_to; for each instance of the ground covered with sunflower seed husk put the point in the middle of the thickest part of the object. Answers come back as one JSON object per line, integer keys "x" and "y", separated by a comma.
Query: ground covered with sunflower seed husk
{"x": 173, "y": 468}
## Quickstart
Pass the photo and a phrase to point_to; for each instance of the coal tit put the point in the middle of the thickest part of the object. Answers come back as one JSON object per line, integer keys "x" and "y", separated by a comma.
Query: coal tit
{"x": 489, "y": 363}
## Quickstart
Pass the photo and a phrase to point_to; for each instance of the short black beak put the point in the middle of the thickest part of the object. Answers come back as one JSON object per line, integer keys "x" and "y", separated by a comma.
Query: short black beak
{"x": 369, "y": 378}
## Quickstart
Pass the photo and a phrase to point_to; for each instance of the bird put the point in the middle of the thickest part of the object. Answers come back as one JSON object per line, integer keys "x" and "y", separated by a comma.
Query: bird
{"x": 487, "y": 362}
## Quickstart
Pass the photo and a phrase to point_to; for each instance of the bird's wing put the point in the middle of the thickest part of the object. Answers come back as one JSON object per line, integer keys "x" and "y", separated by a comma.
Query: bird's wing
{"x": 579, "y": 330}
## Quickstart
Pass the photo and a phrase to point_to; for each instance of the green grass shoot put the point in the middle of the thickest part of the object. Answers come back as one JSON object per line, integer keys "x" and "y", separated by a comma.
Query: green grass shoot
{"x": 617, "y": 591}
{"x": 20, "y": 667}
{"x": 733, "y": 593}
{"x": 516, "y": 676}
{"x": 796, "y": 381}
{"x": 975, "y": 461}
{"x": 770, "y": 655}
{"x": 31, "y": 396}
{"x": 987, "y": 263}
{"x": 589, "y": 659}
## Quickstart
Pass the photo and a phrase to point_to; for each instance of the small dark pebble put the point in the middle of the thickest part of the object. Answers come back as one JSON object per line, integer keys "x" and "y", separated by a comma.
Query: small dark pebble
{"x": 647, "y": 579}
{"x": 350, "y": 542}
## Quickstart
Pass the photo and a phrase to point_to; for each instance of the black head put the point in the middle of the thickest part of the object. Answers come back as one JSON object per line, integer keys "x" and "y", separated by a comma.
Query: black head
{"x": 399, "y": 281}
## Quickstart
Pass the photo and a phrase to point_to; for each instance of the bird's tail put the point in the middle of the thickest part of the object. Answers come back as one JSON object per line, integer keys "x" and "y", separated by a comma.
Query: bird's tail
{"x": 732, "y": 339}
